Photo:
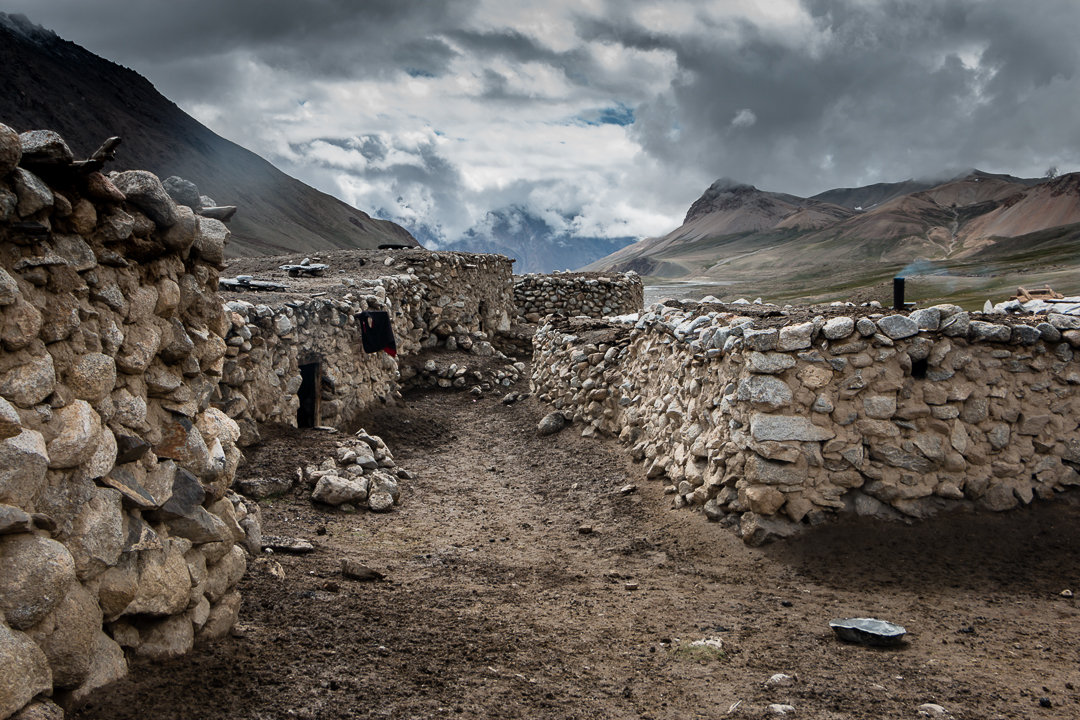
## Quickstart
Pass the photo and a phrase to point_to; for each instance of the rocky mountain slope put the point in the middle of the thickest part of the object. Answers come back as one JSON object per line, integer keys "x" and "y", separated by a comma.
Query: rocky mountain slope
{"x": 50, "y": 83}
{"x": 976, "y": 224}
{"x": 533, "y": 242}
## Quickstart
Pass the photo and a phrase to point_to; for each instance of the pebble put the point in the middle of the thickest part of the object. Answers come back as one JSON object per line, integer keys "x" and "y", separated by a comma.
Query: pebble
{"x": 585, "y": 530}
{"x": 780, "y": 680}
{"x": 628, "y": 489}
{"x": 931, "y": 710}
{"x": 776, "y": 709}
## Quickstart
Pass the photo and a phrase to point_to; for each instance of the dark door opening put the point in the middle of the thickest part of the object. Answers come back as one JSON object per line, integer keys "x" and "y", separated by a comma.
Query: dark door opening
{"x": 310, "y": 393}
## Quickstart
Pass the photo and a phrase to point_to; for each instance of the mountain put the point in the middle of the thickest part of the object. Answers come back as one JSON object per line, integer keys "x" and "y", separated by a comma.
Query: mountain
{"x": 975, "y": 224}
{"x": 870, "y": 196}
{"x": 537, "y": 246}
{"x": 52, "y": 84}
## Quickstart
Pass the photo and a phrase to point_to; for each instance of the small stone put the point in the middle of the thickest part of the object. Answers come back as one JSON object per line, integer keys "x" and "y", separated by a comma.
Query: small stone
{"x": 210, "y": 240}
{"x": 183, "y": 192}
{"x": 101, "y": 188}
{"x": 772, "y": 363}
{"x": 551, "y": 424}
{"x": 44, "y": 147}
{"x": 144, "y": 190}
{"x": 277, "y": 543}
{"x": 10, "y": 150}
{"x": 380, "y": 501}
{"x": 585, "y": 530}
{"x": 130, "y": 448}
{"x": 838, "y": 328}
{"x": 34, "y": 195}
{"x": 627, "y": 489}
{"x": 631, "y": 585}
{"x": 931, "y": 710}
{"x": 14, "y": 520}
{"x": 354, "y": 570}
{"x": 780, "y": 680}
{"x": 896, "y": 327}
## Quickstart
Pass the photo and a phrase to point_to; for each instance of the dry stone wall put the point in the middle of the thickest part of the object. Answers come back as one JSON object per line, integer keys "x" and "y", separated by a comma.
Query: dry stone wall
{"x": 769, "y": 422}
{"x": 456, "y": 301}
{"x": 577, "y": 294}
{"x": 118, "y": 534}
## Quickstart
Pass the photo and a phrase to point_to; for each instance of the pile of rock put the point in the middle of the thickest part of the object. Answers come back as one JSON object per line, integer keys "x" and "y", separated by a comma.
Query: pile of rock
{"x": 453, "y": 376}
{"x": 116, "y": 528}
{"x": 362, "y": 474}
{"x": 577, "y": 294}
{"x": 779, "y": 422}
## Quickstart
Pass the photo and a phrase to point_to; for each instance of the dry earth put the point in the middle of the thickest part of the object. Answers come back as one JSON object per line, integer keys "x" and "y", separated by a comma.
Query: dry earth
{"x": 497, "y": 605}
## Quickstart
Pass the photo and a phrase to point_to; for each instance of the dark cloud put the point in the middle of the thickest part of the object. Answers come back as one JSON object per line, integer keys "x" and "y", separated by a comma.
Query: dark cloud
{"x": 844, "y": 92}
{"x": 324, "y": 37}
{"x": 878, "y": 91}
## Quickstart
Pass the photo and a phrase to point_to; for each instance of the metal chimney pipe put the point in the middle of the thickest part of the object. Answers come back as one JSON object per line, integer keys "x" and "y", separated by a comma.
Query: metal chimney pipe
{"x": 898, "y": 293}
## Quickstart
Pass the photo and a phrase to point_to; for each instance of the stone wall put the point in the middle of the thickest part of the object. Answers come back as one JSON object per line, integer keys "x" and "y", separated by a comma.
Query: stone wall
{"x": 577, "y": 294}
{"x": 456, "y": 301}
{"x": 118, "y": 534}
{"x": 768, "y": 422}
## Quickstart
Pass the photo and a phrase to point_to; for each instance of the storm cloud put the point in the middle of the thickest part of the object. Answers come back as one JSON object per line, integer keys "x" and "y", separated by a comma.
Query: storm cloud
{"x": 609, "y": 117}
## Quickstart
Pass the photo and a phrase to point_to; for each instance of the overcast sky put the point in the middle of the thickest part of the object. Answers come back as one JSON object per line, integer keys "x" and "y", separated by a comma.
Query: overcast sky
{"x": 614, "y": 113}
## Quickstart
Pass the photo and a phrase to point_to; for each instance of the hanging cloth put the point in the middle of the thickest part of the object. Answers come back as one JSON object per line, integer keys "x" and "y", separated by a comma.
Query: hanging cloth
{"x": 377, "y": 333}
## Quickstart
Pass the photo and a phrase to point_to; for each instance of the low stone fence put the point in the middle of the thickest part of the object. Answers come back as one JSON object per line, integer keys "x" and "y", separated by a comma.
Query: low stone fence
{"x": 768, "y": 422}
{"x": 456, "y": 301}
{"x": 577, "y": 294}
{"x": 118, "y": 534}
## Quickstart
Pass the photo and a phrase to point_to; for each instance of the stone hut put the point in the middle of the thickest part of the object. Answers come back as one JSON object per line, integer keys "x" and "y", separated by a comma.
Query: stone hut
{"x": 297, "y": 359}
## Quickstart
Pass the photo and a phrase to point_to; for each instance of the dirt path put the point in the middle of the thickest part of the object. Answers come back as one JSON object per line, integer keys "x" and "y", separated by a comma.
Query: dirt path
{"x": 497, "y": 605}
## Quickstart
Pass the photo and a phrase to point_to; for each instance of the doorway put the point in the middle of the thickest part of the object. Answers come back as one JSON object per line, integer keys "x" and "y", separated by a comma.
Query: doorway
{"x": 310, "y": 394}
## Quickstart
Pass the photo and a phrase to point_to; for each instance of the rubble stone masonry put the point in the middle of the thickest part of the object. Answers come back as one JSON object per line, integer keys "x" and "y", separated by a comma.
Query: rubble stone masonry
{"x": 118, "y": 532}
{"x": 769, "y": 423}
{"x": 577, "y": 294}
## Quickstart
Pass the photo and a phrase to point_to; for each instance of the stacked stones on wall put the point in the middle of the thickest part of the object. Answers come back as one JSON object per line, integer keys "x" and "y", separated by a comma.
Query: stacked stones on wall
{"x": 117, "y": 531}
{"x": 452, "y": 300}
{"x": 577, "y": 294}
{"x": 769, "y": 423}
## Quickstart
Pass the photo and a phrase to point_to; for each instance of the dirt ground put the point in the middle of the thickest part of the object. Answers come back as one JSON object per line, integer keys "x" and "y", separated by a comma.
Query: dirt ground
{"x": 497, "y": 604}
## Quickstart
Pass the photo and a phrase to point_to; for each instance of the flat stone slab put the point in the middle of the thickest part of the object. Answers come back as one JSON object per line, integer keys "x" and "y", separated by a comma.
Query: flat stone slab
{"x": 279, "y": 543}
{"x": 787, "y": 427}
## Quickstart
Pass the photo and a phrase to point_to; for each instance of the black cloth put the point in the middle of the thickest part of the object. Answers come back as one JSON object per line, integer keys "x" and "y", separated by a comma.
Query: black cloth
{"x": 377, "y": 333}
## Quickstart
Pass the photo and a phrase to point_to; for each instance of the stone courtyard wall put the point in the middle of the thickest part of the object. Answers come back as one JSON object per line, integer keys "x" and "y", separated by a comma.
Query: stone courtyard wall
{"x": 450, "y": 300}
{"x": 118, "y": 534}
{"x": 769, "y": 423}
{"x": 576, "y": 294}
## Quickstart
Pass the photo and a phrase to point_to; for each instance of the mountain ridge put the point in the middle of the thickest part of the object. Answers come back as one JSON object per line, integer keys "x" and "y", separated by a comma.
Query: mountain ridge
{"x": 737, "y": 233}
{"x": 277, "y": 213}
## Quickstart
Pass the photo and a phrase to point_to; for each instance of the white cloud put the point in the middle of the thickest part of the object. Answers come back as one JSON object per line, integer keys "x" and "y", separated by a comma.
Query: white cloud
{"x": 743, "y": 118}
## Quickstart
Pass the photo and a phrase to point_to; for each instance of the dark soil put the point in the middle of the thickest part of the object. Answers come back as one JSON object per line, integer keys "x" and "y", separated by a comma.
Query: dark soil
{"x": 498, "y": 604}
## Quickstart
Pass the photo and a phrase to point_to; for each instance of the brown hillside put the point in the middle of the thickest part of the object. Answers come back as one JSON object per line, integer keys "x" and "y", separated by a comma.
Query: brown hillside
{"x": 53, "y": 84}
